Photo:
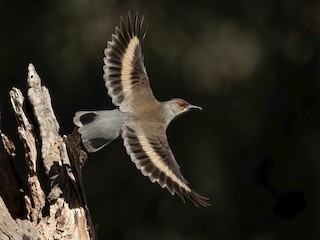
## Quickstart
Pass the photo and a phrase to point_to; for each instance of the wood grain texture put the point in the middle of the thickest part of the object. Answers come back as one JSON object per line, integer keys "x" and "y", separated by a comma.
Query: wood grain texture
{"x": 54, "y": 205}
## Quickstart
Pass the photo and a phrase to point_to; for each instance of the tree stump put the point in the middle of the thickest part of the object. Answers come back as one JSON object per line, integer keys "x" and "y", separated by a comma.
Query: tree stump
{"x": 50, "y": 202}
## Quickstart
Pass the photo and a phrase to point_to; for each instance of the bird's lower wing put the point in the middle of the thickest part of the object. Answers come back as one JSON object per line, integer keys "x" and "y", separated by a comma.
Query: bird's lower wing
{"x": 153, "y": 156}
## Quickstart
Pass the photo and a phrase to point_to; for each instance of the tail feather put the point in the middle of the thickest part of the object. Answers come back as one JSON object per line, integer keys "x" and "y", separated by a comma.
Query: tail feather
{"x": 98, "y": 128}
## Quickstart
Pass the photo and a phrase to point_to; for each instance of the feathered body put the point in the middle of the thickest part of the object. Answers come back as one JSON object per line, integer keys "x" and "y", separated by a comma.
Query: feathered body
{"x": 140, "y": 119}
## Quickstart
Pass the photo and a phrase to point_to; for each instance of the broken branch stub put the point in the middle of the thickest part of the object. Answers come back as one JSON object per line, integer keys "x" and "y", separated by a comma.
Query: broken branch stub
{"x": 60, "y": 212}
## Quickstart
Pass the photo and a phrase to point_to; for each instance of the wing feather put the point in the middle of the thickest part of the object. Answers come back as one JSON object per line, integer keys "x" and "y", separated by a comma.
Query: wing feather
{"x": 153, "y": 156}
{"x": 124, "y": 72}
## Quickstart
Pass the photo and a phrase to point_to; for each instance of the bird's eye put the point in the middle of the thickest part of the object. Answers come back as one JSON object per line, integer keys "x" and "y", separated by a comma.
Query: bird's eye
{"x": 181, "y": 104}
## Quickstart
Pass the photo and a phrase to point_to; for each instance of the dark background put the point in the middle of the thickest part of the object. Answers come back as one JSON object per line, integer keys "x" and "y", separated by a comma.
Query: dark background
{"x": 253, "y": 65}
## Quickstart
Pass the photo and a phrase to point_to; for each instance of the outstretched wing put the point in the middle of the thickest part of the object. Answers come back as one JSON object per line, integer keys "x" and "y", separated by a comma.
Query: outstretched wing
{"x": 153, "y": 156}
{"x": 124, "y": 72}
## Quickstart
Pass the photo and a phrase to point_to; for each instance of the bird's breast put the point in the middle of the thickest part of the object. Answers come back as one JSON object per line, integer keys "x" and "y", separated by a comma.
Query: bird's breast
{"x": 150, "y": 112}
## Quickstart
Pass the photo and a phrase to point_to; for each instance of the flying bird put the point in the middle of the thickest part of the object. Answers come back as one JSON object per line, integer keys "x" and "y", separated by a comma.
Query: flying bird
{"x": 139, "y": 118}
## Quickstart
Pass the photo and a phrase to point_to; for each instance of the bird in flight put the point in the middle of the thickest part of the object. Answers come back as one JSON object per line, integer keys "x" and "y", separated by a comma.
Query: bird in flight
{"x": 139, "y": 118}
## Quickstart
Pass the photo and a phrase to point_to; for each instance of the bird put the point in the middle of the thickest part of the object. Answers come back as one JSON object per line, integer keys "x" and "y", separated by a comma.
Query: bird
{"x": 139, "y": 118}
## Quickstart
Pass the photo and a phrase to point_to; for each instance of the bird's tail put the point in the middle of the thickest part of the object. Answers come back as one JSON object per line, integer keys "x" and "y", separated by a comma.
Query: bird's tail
{"x": 98, "y": 128}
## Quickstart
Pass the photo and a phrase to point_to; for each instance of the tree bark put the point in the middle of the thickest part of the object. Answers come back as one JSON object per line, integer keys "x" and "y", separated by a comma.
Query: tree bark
{"x": 49, "y": 202}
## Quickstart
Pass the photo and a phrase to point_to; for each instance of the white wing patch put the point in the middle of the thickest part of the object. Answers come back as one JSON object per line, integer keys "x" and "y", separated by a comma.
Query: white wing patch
{"x": 158, "y": 163}
{"x": 127, "y": 66}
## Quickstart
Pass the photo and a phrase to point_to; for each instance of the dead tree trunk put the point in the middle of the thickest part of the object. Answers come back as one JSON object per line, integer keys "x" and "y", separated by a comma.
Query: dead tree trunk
{"x": 50, "y": 202}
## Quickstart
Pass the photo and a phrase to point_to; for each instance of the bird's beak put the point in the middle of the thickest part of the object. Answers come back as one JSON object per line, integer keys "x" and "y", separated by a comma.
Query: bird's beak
{"x": 195, "y": 107}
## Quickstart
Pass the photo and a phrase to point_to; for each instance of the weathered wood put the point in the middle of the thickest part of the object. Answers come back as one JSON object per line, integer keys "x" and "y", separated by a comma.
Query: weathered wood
{"x": 15, "y": 228}
{"x": 9, "y": 188}
{"x": 34, "y": 205}
{"x": 59, "y": 211}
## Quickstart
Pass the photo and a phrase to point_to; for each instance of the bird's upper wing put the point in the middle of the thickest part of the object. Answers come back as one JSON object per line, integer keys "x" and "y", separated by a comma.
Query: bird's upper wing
{"x": 124, "y": 72}
{"x": 152, "y": 155}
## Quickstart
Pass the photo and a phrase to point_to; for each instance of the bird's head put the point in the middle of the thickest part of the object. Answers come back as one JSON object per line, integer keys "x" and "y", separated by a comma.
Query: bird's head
{"x": 176, "y": 107}
{"x": 180, "y": 106}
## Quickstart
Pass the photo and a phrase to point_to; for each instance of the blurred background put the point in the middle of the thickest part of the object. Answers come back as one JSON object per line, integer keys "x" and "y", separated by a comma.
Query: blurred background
{"x": 253, "y": 65}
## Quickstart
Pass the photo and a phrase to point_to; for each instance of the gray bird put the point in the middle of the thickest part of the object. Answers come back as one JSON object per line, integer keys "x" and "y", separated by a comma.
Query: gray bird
{"x": 140, "y": 118}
